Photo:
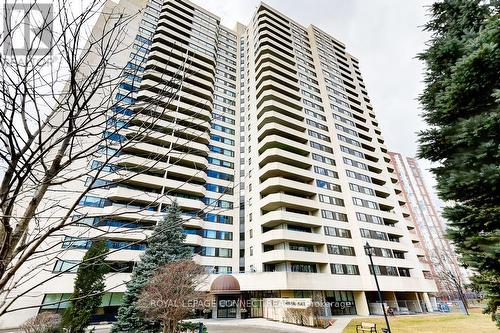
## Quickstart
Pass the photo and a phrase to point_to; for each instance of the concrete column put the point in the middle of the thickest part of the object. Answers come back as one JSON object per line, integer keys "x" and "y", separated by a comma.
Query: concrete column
{"x": 361, "y": 303}
{"x": 238, "y": 311}
{"x": 214, "y": 309}
{"x": 419, "y": 306}
{"x": 391, "y": 300}
{"x": 427, "y": 302}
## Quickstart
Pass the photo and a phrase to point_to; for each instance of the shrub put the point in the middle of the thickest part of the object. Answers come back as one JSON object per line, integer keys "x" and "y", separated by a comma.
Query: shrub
{"x": 189, "y": 327}
{"x": 45, "y": 322}
{"x": 309, "y": 316}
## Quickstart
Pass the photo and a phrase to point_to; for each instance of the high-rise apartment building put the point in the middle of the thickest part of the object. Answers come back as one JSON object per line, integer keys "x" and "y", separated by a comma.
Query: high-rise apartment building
{"x": 430, "y": 226}
{"x": 270, "y": 146}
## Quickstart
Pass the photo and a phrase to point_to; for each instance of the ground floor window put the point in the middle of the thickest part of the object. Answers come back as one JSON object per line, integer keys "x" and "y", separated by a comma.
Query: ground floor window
{"x": 341, "y": 302}
{"x": 227, "y": 306}
{"x": 106, "y": 312}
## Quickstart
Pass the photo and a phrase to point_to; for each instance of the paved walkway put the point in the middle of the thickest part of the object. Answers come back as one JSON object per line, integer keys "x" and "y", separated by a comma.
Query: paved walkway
{"x": 255, "y": 325}
{"x": 259, "y": 325}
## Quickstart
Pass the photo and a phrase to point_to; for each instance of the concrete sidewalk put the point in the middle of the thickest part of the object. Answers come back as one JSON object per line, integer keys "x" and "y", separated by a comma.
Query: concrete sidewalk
{"x": 259, "y": 325}
{"x": 253, "y": 325}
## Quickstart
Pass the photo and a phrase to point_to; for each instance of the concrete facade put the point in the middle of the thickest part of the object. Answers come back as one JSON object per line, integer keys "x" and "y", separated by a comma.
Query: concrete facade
{"x": 430, "y": 225}
{"x": 272, "y": 150}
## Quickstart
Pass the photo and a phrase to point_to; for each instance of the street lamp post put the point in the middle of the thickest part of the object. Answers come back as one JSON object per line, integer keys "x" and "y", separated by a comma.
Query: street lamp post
{"x": 369, "y": 252}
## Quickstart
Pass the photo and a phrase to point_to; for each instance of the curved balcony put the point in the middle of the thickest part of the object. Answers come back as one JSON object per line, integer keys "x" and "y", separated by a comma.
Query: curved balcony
{"x": 267, "y": 25}
{"x": 279, "y": 184}
{"x": 277, "y": 169}
{"x": 148, "y": 180}
{"x": 187, "y": 88}
{"x": 132, "y": 214}
{"x": 168, "y": 37}
{"x": 265, "y": 18}
{"x": 278, "y": 200}
{"x": 129, "y": 194}
{"x": 274, "y": 66}
{"x": 283, "y": 131}
{"x": 268, "y": 39}
{"x": 268, "y": 74}
{"x": 166, "y": 139}
{"x": 157, "y": 60}
{"x": 276, "y": 141}
{"x": 278, "y": 97}
{"x": 193, "y": 240}
{"x": 279, "y": 217}
{"x": 173, "y": 94}
{"x": 129, "y": 158}
{"x": 193, "y": 222}
{"x": 275, "y": 85}
{"x": 276, "y": 256}
{"x": 277, "y": 236}
{"x": 425, "y": 266}
{"x": 277, "y": 106}
{"x": 200, "y": 136}
{"x": 171, "y": 10}
{"x": 281, "y": 64}
{"x": 264, "y": 11}
{"x": 188, "y": 204}
{"x": 286, "y": 157}
{"x": 273, "y": 117}
{"x": 191, "y": 109}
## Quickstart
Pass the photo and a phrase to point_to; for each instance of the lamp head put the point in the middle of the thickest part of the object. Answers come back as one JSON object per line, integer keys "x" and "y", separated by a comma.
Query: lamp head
{"x": 368, "y": 249}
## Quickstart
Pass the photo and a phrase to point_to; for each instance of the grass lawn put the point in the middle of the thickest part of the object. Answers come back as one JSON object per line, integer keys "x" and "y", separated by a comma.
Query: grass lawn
{"x": 439, "y": 323}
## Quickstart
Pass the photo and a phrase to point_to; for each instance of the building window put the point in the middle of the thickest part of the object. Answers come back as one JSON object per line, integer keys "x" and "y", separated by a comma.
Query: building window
{"x": 325, "y": 172}
{"x": 341, "y": 250}
{"x": 342, "y": 302}
{"x": 404, "y": 271}
{"x": 369, "y": 218}
{"x": 214, "y": 252}
{"x": 303, "y": 268}
{"x": 331, "y": 200}
{"x": 337, "y": 232}
{"x": 344, "y": 269}
{"x": 220, "y": 175}
{"x": 91, "y": 201}
{"x": 330, "y": 215}
{"x": 323, "y": 159}
{"x": 365, "y": 203}
{"x": 361, "y": 189}
{"x": 366, "y": 233}
{"x": 218, "y": 218}
{"x": 328, "y": 185}
{"x": 385, "y": 270}
{"x": 55, "y": 301}
{"x": 66, "y": 266}
{"x": 301, "y": 247}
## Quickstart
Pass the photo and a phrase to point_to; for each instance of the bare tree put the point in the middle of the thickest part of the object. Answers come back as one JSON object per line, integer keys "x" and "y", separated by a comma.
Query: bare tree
{"x": 173, "y": 294}
{"x": 74, "y": 122}
{"x": 42, "y": 323}
{"x": 449, "y": 276}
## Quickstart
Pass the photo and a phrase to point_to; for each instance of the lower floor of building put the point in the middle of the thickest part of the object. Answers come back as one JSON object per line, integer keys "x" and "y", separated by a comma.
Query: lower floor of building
{"x": 249, "y": 300}
{"x": 275, "y": 304}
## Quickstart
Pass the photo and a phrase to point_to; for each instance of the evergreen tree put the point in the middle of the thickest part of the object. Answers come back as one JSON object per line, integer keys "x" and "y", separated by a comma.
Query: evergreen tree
{"x": 165, "y": 245}
{"x": 461, "y": 105}
{"x": 89, "y": 287}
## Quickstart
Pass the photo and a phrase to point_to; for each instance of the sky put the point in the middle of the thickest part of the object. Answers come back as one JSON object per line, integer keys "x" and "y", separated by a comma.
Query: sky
{"x": 384, "y": 35}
